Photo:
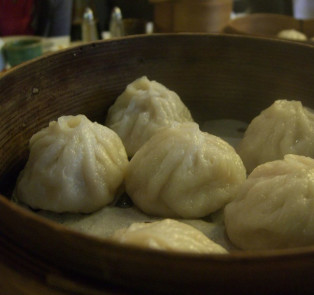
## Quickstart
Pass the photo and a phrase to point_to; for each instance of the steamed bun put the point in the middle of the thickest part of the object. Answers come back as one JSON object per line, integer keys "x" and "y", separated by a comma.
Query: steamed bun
{"x": 142, "y": 109}
{"x": 74, "y": 165}
{"x": 292, "y": 34}
{"x": 274, "y": 208}
{"x": 168, "y": 235}
{"x": 286, "y": 127}
{"x": 183, "y": 172}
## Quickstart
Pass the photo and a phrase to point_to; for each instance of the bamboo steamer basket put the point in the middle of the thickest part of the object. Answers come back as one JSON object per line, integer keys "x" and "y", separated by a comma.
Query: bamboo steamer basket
{"x": 217, "y": 76}
{"x": 191, "y": 15}
{"x": 268, "y": 25}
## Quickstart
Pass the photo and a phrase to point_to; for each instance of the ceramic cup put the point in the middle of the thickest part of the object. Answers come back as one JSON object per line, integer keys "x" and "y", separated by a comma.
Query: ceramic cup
{"x": 18, "y": 51}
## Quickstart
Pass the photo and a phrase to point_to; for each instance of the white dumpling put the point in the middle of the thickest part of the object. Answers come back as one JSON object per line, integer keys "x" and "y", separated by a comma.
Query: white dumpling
{"x": 142, "y": 109}
{"x": 292, "y": 34}
{"x": 275, "y": 206}
{"x": 74, "y": 165}
{"x": 168, "y": 235}
{"x": 183, "y": 172}
{"x": 286, "y": 127}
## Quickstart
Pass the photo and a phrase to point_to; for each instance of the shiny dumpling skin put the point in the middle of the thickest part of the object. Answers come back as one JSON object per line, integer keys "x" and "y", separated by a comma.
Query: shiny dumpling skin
{"x": 142, "y": 109}
{"x": 183, "y": 172}
{"x": 286, "y": 127}
{"x": 167, "y": 235}
{"x": 274, "y": 208}
{"x": 74, "y": 165}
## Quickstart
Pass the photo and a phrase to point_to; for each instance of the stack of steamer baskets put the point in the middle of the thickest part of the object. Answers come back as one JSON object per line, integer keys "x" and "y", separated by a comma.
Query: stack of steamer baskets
{"x": 216, "y": 76}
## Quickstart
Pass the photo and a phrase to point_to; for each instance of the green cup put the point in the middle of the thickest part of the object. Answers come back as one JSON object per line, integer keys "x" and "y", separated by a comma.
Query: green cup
{"x": 18, "y": 51}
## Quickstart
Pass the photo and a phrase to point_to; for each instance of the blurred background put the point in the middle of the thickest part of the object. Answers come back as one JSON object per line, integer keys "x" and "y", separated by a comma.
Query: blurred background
{"x": 62, "y": 23}
{"x": 65, "y": 17}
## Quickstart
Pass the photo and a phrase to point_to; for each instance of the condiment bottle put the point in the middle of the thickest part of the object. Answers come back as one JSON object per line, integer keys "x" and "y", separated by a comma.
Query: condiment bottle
{"x": 89, "y": 29}
{"x": 116, "y": 26}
